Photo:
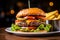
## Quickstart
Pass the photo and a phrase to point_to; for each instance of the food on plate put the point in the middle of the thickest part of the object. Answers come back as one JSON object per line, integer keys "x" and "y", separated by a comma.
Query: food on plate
{"x": 54, "y": 15}
{"x": 58, "y": 17}
{"x": 31, "y": 20}
{"x": 41, "y": 28}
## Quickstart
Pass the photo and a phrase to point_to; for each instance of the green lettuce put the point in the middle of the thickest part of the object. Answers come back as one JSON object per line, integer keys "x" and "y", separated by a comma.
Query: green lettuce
{"x": 46, "y": 27}
{"x": 15, "y": 27}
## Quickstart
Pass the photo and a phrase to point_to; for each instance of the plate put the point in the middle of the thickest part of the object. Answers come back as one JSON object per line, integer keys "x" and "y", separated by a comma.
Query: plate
{"x": 30, "y": 33}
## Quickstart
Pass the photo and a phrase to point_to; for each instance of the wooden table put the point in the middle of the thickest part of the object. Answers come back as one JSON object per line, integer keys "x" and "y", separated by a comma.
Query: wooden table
{"x": 6, "y": 36}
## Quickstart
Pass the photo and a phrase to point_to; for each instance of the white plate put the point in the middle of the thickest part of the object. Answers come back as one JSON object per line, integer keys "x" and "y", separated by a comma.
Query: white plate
{"x": 29, "y": 33}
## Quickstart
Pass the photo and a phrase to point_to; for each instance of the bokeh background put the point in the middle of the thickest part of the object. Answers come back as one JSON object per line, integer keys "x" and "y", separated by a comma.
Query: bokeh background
{"x": 9, "y": 8}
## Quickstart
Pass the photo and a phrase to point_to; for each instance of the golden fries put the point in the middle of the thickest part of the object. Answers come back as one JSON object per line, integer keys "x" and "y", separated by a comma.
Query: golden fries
{"x": 58, "y": 17}
{"x": 51, "y": 13}
{"x": 51, "y": 17}
{"x": 54, "y": 15}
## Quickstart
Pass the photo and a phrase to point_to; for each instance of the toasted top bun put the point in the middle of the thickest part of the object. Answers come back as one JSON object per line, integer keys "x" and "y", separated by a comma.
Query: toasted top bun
{"x": 30, "y": 11}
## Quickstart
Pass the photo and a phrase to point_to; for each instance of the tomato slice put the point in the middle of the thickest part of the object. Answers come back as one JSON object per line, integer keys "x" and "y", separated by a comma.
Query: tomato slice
{"x": 31, "y": 27}
{"x": 17, "y": 20}
{"x": 41, "y": 17}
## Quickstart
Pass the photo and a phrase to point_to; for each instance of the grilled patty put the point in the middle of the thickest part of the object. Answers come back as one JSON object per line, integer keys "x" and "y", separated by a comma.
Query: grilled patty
{"x": 34, "y": 23}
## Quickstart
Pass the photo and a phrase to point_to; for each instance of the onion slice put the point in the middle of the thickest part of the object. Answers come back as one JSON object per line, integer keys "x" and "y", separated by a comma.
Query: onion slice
{"x": 21, "y": 18}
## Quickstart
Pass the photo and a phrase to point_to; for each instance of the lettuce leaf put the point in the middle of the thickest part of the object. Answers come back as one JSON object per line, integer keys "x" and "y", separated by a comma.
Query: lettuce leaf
{"x": 15, "y": 27}
{"x": 41, "y": 26}
{"x": 48, "y": 27}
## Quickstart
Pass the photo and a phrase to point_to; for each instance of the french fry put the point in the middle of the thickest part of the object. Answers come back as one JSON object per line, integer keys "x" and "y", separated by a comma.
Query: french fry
{"x": 51, "y": 17}
{"x": 55, "y": 19}
{"x": 56, "y": 13}
{"x": 58, "y": 17}
{"x": 51, "y": 14}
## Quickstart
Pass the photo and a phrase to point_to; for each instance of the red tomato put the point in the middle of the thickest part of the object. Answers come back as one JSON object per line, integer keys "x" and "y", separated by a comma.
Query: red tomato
{"x": 17, "y": 20}
{"x": 41, "y": 17}
{"x": 31, "y": 27}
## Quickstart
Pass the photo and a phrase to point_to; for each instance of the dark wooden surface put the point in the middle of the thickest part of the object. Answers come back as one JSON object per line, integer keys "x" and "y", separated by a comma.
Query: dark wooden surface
{"x": 6, "y": 36}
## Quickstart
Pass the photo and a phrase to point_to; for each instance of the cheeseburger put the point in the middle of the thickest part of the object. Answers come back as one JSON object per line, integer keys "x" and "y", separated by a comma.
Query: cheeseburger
{"x": 31, "y": 19}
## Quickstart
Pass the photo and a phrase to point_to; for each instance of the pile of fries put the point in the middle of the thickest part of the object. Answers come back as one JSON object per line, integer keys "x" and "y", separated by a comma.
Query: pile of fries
{"x": 54, "y": 15}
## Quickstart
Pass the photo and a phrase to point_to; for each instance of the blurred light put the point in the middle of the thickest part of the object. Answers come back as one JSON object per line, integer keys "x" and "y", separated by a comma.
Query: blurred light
{"x": 12, "y": 11}
{"x": 20, "y": 4}
{"x": 2, "y": 14}
{"x": 51, "y": 3}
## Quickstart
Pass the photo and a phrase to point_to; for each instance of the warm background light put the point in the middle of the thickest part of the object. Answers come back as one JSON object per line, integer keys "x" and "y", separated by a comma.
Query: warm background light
{"x": 20, "y": 4}
{"x": 2, "y": 14}
{"x": 12, "y": 11}
{"x": 51, "y": 3}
